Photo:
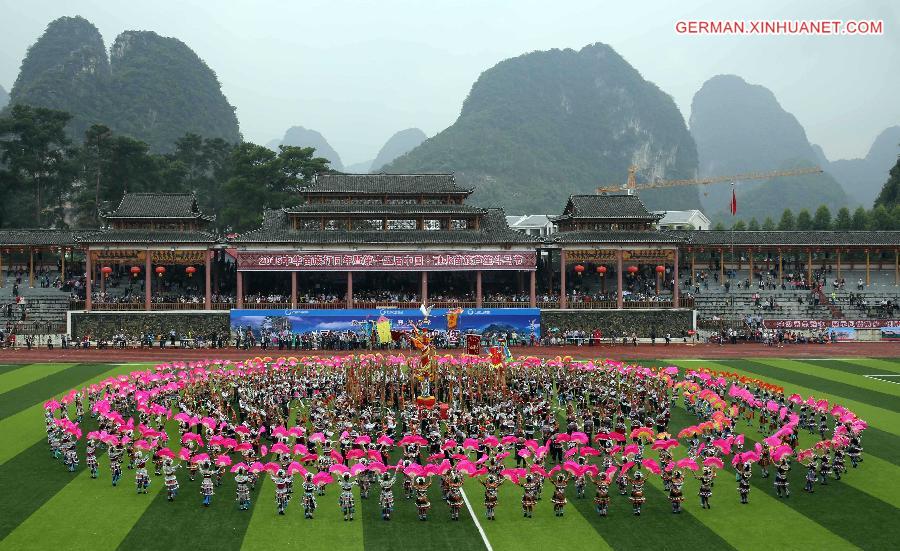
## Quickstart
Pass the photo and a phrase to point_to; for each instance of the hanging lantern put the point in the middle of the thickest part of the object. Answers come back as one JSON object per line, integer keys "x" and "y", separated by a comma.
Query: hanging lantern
{"x": 106, "y": 270}
{"x": 160, "y": 270}
{"x": 601, "y": 270}
{"x": 632, "y": 270}
{"x": 660, "y": 269}
{"x": 579, "y": 269}
{"x": 135, "y": 271}
{"x": 190, "y": 271}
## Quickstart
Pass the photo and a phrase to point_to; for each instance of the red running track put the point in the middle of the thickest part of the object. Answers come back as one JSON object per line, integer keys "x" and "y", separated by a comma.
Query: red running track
{"x": 642, "y": 351}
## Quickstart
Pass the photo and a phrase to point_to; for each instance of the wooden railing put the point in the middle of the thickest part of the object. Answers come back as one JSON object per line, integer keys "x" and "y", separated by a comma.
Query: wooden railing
{"x": 376, "y": 305}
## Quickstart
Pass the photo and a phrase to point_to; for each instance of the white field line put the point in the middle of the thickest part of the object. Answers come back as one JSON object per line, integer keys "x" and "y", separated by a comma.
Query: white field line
{"x": 472, "y": 514}
{"x": 879, "y": 378}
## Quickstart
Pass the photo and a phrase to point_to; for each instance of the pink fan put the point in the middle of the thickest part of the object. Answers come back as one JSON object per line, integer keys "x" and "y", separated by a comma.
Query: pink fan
{"x": 772, "y": 441}
{"x": 199, "y": 458}
{"x": 580, "y": 438}
{"x": 570, "y": 452}
{"x": 491, "y": 441}
{"x": 375, "y": 455}
{"x": 713, "y": 462}
{"x": 280, "y": 448}
{"x": 470, "y": 443}
{"x": 336, "y": 455}
{"x": 358, "y": 468}
{"x": 630, "y": 449}
{"x": 651, "y": 465}
{"x": 531, "y": 444}
{"x": 322, "y": 478}
{"x": 223, "y": 460}
{"x": 687, "y": 463}
{"x": 537, "y": 469}
{"x": 339, "y": 468}
{"x": 385, "y": 440}
{"x": 589, "y": 451}
{"x": 355, "y": 453}
{"x": 317, "y": 437}
{"x": 508, "y": 439}
{"x": 449, "y": 444}
{"x": 363, "y": 439}
{"x": 184, "y": 454}
{"x": 238, "y": 466}
{"x": 781, "y": 452}
{"x": 563, "y": 437}
{"x": 300, "y": 449}
{"x": 241, "y": 429}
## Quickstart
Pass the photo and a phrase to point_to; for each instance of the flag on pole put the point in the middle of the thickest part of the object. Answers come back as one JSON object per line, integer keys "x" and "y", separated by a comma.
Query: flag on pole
{"x": 733, "y": 201}
{"x": 383, "y": 327}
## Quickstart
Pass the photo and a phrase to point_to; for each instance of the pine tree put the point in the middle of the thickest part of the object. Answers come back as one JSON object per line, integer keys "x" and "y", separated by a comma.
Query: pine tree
{"x": 787, "y": 220}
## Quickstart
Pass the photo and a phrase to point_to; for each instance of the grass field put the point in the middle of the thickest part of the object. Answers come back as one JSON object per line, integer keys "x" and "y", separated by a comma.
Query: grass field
{"x": 43, "y": 506}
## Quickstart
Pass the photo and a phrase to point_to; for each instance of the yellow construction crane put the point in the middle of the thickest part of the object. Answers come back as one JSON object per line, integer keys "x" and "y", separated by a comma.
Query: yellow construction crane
{"x": 632, "y": 186}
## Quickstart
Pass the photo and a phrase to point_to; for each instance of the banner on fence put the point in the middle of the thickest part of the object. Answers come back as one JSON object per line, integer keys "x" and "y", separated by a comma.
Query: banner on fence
{"x": 842, "y": 334}
{"x": 890, "y": 333}
{"x": 824, "y": 324}
{"x": 493, "y": 321}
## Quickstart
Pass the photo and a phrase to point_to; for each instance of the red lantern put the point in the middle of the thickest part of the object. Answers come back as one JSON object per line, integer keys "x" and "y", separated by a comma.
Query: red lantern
{"x": 190, "y": 271}
{"x": 601, "y": 270}
{"x": 106, "y": 270}
{"x": 660, "y": 269}
{"x": 135, "y": 271}
{"x": 160, "y": 270}
{"x": 579, "y": 269}
{"x": 632, "y": 270}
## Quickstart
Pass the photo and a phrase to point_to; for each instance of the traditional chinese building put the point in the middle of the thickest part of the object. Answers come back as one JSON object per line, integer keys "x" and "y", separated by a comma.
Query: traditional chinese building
{"x": 609, "y": 236}
{"x": 379, "y": 228}
{"x": 150, "y": 234}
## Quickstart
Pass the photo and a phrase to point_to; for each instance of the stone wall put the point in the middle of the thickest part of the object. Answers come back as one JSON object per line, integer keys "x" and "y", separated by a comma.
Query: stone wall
{"x": 103, "y": 325}
{"x": 615, "y": 322}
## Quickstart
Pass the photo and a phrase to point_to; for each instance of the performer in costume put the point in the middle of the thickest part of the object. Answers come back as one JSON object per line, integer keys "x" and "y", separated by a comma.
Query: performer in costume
{"x": 601, "y": 495}
{"x": 560, "y": 483}
{"x": 782, "y": 485}
{"x": 171, "y": 481}
{"x": 309, "y": 496}
{"x": 675, "y": 493}
{"x": 386, "y": 499}
{"x": 491, "y": 483}
{"x": 837, "y": 465}
{"x": 529, "y": 495}
{"x": 115, "y": 462}
{"x": 706, "y": 484}
{"x": 454, "y": 493}
{"x": 810, "y": 477}
{"x": 281, "y": 491}
{"x": 744, "y": 482}
{"x": 420, "y": 486}
{"x": 824, "y": 468}
{"x": 346, "y": 501}
{"x": 637, "y": 491}
{"x": 90, "y": 458}
{"x": 207, "y": 487}
{"x": 242, "y": 489}
{"x": 141, "y": 476}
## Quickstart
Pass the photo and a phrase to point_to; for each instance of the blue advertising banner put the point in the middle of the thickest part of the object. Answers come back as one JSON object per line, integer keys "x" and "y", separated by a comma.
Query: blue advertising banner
{"x": 890, "y": 333}
{"x": 483, "y": 321}
{"x": 842, "y": 333}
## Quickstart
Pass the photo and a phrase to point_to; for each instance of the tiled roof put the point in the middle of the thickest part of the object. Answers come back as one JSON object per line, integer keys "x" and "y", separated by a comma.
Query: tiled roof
{"x": 493, "y": 230}
{"x": 606, "y": 206}
{"x": 570, "y": 237}
{"x": 147, "y": 236}
{"x": 41, "y": 237}
{"x": 157, "y": 205}
{"x": 378, "y": 209}
{"x": 791, "y": 238}
{"x": 381, "y": 184}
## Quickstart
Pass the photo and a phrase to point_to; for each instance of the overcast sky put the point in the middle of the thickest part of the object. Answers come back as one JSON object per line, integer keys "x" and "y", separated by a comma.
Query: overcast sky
{"x": 359, "y": 71}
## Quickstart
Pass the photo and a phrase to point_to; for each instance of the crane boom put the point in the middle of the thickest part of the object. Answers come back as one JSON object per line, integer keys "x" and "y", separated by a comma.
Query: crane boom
{"x": 631, "y": 185}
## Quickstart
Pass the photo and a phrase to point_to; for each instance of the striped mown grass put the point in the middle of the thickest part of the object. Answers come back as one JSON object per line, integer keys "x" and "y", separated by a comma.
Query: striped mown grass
{"x": 45, "y": 507}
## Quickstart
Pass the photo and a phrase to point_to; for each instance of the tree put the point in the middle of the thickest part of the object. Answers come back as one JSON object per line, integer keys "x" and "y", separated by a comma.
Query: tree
{"x": 822, "y": 218}
{"x": 860, "y": 219}
{"x": 719, "y": 226}
{"x": 787, "y": 220}
{"x": 880, "y": 219}
{"x": 843, "y": 221}
{"x": 890, "y": 193}
{"x": 753, "y": 225}
{"x": 36, "y": 158}
{"x": 804, "y": 220}
{"x": 739, "y": 226}
{"x": 768, "y": 224}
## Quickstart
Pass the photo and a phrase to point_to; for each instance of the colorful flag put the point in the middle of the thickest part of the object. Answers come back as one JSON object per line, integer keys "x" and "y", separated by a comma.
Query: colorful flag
{"x": 733, "y": 201}
{"x": 383, "y": 326}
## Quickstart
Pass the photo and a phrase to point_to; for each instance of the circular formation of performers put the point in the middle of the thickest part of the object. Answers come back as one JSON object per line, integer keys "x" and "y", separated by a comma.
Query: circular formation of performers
{"x": 374, "y": 422}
